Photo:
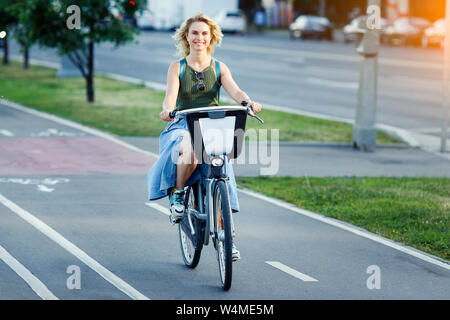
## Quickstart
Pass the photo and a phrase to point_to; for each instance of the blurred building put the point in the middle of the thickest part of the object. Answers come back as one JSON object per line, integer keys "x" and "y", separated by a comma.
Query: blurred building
{"x": 283, "y": 12}
{"x": 431, "y": 10}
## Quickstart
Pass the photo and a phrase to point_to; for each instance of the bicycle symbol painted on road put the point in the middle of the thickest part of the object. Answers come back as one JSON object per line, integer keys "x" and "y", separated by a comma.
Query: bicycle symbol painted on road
{"x": 42, "y": 185}
{"x": 56, "y": 133}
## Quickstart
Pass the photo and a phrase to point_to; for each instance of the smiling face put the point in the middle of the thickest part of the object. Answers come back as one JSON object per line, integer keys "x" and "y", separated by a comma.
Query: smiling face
{"x": 199, "y": 36}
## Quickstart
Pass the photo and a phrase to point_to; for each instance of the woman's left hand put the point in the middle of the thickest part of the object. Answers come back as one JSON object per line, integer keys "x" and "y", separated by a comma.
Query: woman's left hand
{"x": 256, "y": 107}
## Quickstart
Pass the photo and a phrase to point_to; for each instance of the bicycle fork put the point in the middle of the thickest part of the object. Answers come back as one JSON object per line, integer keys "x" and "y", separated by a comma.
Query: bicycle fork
{"x": 210, "y": 184}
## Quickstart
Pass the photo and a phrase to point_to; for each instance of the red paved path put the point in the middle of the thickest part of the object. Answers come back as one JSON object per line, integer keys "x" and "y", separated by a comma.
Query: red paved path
{"x": 86, "y": 155}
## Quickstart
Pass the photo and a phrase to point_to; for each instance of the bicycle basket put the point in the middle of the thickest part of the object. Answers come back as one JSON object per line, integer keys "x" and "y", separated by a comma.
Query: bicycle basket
{"x": 217, "y": 131}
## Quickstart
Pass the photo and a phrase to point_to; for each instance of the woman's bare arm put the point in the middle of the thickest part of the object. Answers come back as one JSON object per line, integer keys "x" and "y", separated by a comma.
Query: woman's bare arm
{"x": 173, "y": 85}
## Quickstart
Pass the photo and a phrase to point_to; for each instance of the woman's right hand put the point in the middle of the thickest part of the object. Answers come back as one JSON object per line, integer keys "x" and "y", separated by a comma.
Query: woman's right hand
{"x": 164, "y": 115}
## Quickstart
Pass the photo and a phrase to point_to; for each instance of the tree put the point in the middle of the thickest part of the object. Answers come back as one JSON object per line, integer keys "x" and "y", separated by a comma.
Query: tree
{"x": 97, "y": 24}
{"x": 7, "y": 22}
{"x": 20, "y": 11}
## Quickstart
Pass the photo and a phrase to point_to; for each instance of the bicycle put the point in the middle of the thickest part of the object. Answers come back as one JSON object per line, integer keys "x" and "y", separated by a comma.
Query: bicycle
{"x": 207, "y": 201}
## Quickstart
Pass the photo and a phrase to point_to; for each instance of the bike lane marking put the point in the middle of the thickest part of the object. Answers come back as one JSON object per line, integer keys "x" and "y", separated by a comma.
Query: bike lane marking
{"x": 6, "y": 133}
{"x": 73, "y": 249}
{"x": 158, "y": 207}
{"x": 36, "y": 285}
{"x": 290, "y": 271}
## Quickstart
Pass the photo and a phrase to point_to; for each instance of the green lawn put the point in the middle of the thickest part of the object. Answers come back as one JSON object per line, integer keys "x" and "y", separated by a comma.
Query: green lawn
{"x": 414, "y": 211}
{"x": 133, "y": 110}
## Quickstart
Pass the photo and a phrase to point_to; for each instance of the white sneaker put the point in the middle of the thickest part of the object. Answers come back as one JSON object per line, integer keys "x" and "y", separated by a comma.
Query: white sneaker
{"x": 177, "y": 206}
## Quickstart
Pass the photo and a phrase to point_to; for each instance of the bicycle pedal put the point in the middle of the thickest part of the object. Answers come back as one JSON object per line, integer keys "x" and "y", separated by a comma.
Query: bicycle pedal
{"x": 174, "y": 220}
{"x": 236, "y": 257}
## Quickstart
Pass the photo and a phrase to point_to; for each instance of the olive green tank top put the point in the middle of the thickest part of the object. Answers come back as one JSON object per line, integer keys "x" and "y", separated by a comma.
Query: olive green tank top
{"x": 188, "y": 94}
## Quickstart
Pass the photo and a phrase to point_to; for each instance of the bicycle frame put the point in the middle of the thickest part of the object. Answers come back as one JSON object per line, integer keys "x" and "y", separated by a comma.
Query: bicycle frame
{"x": 209, "y": 204}
{"x": 215, "y": 122}
{"x": 205, "y": 191}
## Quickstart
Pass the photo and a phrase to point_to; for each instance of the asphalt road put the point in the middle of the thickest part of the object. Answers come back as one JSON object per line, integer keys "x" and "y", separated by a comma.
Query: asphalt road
{"x": 314, "y": 76}
{"x": 72, "y": 199}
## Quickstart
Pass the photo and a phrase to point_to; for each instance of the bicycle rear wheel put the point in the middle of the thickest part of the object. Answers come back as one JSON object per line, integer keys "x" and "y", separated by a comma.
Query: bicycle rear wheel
{"x": 223, "y": 235}
{"x": 191, "y": 246}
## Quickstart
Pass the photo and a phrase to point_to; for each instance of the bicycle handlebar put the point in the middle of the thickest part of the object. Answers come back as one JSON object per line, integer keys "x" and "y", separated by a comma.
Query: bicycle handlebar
{"x": 172, "y": 114}
{"x": 244, "y": 103}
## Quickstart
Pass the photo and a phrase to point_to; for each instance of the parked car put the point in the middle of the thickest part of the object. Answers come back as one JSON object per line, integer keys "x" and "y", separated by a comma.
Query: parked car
{"x": 309, "y": 26}
{"x": 406, "y": 31}
{"x": 231, "y": 21}
{"x": 434, "y": 35}
{"x": 145, "y": 20}
{"x": 355, "y": 29}
{"x": 125, "y": 18}
{"x": 166, "y": 22}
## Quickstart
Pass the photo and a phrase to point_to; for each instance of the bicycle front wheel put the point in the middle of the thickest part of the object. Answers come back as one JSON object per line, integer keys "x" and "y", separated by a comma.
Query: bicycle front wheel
{"x": 223, "y": 235}
{"x": 191, "y": 246}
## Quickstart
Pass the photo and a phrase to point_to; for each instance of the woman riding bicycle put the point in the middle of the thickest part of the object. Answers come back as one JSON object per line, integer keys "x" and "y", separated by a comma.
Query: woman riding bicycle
{"x": 192, "y": 82}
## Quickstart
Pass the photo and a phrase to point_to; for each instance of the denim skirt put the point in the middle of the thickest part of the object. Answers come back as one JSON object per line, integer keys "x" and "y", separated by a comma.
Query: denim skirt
{"x": 162, "y": 176}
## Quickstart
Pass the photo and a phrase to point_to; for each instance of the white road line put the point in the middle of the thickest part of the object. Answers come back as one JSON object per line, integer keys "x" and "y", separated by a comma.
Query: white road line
{"x": 73, "y": 249}
{"x": 292, "y": 272}
{"x": 158, "y": 207}
{"x": 35, "y": 284}
{"x": 333, "y": 84}
{"x": 6, "y": 133}
{"x": 429, "y": 130}
{"x": 348, "y": 227}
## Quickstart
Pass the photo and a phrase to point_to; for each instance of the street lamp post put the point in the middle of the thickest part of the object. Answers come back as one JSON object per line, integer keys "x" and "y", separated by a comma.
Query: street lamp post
{"x": 364, "y": 131}
{"x": 445, "y": 104}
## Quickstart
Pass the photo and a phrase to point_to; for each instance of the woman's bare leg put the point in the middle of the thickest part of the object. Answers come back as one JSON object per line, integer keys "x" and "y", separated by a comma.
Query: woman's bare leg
{"x": 186, "y": 163}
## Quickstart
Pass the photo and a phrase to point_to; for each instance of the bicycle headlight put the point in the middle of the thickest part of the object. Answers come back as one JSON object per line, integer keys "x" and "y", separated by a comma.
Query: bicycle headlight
{"x": 217, "y": 161}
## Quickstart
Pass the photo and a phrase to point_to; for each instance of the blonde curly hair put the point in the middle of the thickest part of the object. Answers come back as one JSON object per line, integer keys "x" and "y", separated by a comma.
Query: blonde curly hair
{"x": 181, "y": 34}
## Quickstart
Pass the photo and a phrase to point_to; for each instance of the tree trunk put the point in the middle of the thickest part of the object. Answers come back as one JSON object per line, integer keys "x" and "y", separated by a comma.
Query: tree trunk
{"x": 90, "y": 74}
{"x": 6, "y": 52}
{"x": 26, "y": 56}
